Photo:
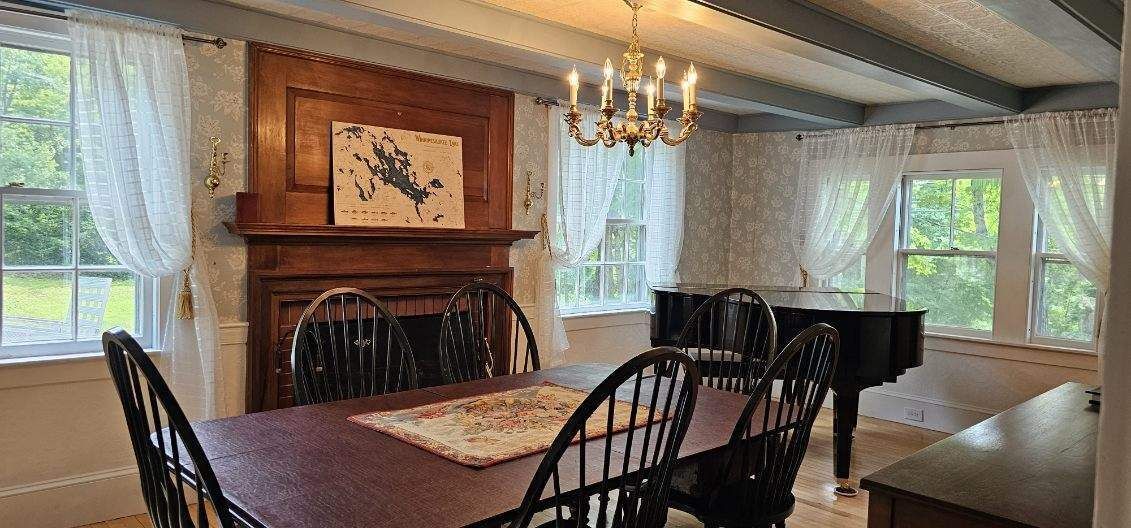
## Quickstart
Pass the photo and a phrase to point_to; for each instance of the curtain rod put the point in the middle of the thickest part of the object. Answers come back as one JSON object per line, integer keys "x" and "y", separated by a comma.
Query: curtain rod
{"x": 951, "y": 126}
{"x": 218, "y": 42}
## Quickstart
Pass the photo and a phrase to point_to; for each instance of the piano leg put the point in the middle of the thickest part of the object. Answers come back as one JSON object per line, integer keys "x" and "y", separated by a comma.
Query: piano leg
{"x": 846, "y": 403}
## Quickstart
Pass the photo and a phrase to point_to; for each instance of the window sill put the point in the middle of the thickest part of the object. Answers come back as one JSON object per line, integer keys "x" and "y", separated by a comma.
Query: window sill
{"x": 1025, "y": 352}
{"x": 48, "y": 370}
{"x": 605, "y": 319}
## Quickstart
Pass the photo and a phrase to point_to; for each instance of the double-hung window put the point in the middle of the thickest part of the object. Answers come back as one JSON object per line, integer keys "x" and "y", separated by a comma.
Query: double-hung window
{"x": 948, "y": 248}
{"x": 1064, "y": 302}
{"x": 612, "y": 276}
{"x": 60, "y": 286}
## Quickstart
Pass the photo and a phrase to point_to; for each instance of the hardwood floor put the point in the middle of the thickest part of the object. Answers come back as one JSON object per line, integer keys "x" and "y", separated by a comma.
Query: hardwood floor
{"x": 878, "y": 443}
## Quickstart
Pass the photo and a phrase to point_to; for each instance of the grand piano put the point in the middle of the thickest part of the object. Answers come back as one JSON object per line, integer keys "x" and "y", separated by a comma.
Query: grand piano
{"x": 880, "y": 339}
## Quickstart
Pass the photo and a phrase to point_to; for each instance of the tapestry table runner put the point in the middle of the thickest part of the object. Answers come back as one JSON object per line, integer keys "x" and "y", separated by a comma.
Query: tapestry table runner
{"x": 481, "y": 431}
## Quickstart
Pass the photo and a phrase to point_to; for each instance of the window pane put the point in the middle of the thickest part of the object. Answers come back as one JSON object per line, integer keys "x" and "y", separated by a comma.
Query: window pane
{"x": 1067, "y": 304}
{"x": 92, "y": 250}
{"x": 614, "y": 284}
{"x": 929, "y": 214}
{"x": 37, "y": 155}
{"x": 590, "y": 289}
{"x": 567, "y": 288}
{"x": 635, "y": 240}
{"x": 634, "y": 168}
{"x": 977, "y": 202}
{"x": 595, "y": 255}
{"x": 636, "y": 284}
{"x": 37, "y": 233}
{"x": 958, "y": 290}
{"x": 35, "y": 84}
{"x": 37, "y": 307}
{"x": 634, "y": 201}
{"x": 616, "y": 208}
{"x": 851, "y": 279}
{"x": 106, "y": 299}
{"x": 614, "y": 243}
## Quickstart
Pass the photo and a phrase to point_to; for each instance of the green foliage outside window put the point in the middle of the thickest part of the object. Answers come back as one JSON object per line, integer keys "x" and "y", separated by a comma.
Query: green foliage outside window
{"x": 959, "y": 214}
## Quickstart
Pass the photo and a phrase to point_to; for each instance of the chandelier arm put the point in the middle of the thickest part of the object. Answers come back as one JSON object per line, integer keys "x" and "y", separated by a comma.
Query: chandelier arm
{"x": 684, "y": 133}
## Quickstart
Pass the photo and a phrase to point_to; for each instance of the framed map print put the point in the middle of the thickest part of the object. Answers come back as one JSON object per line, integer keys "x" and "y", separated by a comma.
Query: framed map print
{"x": 389, "y": 177}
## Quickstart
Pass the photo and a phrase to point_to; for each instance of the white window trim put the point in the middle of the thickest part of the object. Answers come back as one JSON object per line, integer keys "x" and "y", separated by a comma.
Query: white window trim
{"x": 1014, "y": 271}
{"x": 1040, "y": 256}
{"x": 622, "y": 307}
{"x": 50, "y": 35}
{"x": 904, "y": 232}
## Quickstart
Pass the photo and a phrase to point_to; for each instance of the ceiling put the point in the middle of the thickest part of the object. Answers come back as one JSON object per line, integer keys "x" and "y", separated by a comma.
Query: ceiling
{"x": 972, "y": 35}
{"x": 808, "y": 62}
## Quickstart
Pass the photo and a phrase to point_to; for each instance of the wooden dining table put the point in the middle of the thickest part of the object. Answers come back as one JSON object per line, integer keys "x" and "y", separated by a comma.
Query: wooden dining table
{"x": 309, "y": 466}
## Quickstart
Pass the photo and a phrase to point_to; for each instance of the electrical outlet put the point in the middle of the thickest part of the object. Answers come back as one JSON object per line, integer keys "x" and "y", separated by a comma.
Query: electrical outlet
{"x": 912, "y": 414}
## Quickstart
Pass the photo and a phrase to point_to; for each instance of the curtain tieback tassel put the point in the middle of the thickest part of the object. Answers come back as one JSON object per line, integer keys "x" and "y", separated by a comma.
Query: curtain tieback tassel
{"x": 184, "y": 298}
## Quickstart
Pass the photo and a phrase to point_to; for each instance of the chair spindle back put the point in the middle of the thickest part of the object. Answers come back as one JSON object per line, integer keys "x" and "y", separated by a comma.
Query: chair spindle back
{"x": 483, "y": 333}
{"x": 733, "y": 336}
{"x": 625, "y": 474}
{"x": 348, "y": 345}
{"x": 163, "y": 441}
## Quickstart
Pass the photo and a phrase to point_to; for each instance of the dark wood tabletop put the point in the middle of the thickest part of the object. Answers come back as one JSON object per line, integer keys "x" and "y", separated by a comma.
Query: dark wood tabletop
{"x": 1030, "y": 466}
{"x": 309, "y": 466}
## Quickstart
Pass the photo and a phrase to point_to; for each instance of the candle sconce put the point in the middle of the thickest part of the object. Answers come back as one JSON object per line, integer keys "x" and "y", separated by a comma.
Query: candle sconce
{"x": 531, "y": 195}
{"x": 217, "y": 165}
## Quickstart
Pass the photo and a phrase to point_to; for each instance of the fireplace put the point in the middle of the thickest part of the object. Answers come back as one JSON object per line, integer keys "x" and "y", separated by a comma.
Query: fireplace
{"x": 295, "y": 252}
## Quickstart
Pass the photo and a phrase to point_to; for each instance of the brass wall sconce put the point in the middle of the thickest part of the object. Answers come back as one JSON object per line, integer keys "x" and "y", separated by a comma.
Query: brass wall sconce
{"x": 531, "y": 195}
{"x": 217, "y": 165}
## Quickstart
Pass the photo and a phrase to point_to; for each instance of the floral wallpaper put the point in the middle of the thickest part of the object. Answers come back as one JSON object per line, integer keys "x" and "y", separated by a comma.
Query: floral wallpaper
{"x": 531, "y": 152}
{"x": 765, "y": 184}
{"x": 218, "y": 91}
{"x": 707, "y": 212}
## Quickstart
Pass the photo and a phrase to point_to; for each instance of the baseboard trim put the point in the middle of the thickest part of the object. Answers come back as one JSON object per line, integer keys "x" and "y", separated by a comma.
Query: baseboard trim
{"x": 74, "y": 500}
{"x": 938, "y": 415}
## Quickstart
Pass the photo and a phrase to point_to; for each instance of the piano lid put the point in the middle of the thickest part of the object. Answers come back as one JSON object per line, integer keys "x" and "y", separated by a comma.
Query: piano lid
{"x": 818, "y": 299}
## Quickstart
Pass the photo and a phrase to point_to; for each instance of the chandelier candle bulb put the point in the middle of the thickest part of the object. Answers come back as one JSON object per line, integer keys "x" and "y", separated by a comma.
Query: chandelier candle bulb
{"x": 573, "y": 84}
{"x": 661, "y": 69}
{"x": 692, "y": 78}
{"x": 605, "y": 95}
{"x": 686, "y": 86}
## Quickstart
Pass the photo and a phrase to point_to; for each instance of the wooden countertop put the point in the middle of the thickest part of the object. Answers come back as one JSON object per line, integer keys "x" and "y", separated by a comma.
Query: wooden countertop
{"x": 1032, "y": 465}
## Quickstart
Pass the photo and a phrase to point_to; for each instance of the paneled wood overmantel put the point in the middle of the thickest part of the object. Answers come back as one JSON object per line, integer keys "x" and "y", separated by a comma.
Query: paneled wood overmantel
{"x": 296, "y": 252}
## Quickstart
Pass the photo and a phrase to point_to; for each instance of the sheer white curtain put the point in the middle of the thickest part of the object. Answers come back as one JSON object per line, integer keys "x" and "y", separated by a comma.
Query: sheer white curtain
{"x": 132, "y": 111}
{"x": 582, "y": 181}
{"x": 1067, "y": 161}
{"x": 846, "y": 183}
{"x": 664, "y": 169}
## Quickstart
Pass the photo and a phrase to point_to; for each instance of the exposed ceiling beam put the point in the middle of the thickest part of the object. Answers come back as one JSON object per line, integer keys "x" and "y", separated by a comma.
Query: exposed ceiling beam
{"x": 1064, "y": 25}
{"x": 920, "y": 70}
{"x": 1104, "y": 17}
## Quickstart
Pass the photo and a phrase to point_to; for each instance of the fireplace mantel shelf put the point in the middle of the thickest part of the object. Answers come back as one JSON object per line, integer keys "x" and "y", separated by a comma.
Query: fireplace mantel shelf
{"x": 265, "y": 231}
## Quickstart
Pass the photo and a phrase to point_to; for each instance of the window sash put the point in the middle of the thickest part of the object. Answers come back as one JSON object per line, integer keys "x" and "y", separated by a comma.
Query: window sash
{"x": 147, "y": 290}
{"x": 904, "y": 251}
{"x": 1041, "y": 259}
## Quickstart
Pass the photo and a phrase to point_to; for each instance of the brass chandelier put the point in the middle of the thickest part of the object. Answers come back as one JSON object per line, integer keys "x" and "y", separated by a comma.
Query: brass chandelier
{"x": 632, "y": 130}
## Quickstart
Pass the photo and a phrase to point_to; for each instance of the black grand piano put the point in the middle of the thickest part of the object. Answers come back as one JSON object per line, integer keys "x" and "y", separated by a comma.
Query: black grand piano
{"x": 880, "y": 339}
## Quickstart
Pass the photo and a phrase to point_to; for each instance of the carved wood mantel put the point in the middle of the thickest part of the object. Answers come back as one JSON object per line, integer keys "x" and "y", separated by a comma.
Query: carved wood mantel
{"x": 294, "y": 250}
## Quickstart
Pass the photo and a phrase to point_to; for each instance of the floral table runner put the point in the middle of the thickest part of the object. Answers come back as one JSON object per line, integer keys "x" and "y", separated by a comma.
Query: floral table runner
{"x": 481, "y": 431}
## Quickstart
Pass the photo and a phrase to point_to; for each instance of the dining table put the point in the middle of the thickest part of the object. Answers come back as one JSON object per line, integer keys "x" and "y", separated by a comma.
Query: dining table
{"x": 309, "y": 466}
